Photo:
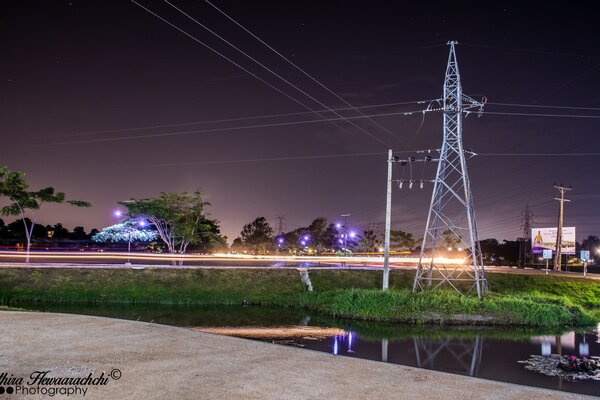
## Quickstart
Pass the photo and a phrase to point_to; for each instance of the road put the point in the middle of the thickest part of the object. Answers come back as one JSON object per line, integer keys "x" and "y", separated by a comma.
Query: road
{"x": 79, "y": 259}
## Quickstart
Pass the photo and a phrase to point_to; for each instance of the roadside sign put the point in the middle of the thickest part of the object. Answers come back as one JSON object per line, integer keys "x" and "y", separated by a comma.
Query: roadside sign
{"x": 584, "y": 255}
{"x": 547, "y": 254}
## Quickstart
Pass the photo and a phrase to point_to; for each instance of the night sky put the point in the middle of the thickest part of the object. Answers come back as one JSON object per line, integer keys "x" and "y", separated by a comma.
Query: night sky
{"x": 78, "y": 78}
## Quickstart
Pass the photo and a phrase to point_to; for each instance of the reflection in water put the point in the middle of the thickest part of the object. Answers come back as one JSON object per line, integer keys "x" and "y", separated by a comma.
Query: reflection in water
{"x": 584, "y": 348}
{"x": 384, "y": 350}
{"x": 350, "y": 343}
{"x": 463, "y": 353}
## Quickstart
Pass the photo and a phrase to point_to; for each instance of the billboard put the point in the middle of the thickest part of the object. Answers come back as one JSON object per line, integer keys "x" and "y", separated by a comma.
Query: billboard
{"x": 545, "y": 239}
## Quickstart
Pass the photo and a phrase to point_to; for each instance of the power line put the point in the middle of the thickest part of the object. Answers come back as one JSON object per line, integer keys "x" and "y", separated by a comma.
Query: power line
{"x": 273, "y": 72}
{"x": 299, "y": 69}
{"x": 552, "y": 53}
{"x": 237, "y": 119}
{"x": 543, "y": 106}
{"x": 234, "y": 128}
{"x": 248, "y": 160}
{"x": 236, "y": 64}
{"x": 538, "y": 115}
{"x": 538, "y": 154}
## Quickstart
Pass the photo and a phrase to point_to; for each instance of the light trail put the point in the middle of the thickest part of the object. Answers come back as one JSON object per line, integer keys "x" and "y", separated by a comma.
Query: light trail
{"x": 79, "y": 255}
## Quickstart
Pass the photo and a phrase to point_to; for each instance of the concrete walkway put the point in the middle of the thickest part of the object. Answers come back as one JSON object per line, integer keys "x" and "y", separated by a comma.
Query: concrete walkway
{"x": 163, "y": 362}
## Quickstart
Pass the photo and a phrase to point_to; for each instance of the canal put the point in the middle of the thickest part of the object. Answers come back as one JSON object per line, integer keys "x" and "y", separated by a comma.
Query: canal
{"x": 488, "y": 353}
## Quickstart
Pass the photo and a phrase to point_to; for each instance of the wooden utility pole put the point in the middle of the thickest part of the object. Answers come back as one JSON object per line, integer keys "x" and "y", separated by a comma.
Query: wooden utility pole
{"x": 561, "y": 208}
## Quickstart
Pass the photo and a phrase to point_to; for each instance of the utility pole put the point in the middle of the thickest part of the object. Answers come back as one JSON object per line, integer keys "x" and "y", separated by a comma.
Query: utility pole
{"x": 388, "y": 223}
{"x": 525, "y": 240}
{"x": 561, "y": 208}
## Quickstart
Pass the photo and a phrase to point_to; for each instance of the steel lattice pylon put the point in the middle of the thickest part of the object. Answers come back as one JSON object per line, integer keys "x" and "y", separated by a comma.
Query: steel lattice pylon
{"x": 451, "y": 218}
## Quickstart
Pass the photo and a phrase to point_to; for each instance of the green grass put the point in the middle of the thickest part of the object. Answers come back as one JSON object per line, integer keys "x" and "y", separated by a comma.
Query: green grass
{"x": 517, "y": 300}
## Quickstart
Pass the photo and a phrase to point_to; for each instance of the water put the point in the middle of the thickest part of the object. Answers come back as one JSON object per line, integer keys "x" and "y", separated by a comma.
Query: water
{"x": 489, "y": 353}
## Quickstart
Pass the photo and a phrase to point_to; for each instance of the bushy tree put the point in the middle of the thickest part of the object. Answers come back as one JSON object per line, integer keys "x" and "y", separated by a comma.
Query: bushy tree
{"x": 177, "y": 217}
{"x": 592, "y": 244}
{"x": 401, "y": 240}
{"x": 257, "y": 236}
{"x": 369, "y": 242}
{"x": 322, "y": 235}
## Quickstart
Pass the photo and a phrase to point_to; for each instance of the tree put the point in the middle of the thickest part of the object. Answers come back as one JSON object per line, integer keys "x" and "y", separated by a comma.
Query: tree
{"x": 369, "y": 242}
{"x": 592, "y": 244}
{"x": 321, "y": 235}
{"x": 24, "y": 202}
{"x": 257, "y": 236}
{"x": 402, "y": 240}
{"x": 209, "y": 236}
{"x": 178, "y": 217}
{"x": 124, "y": 232}
{"x": 238, "y": 245}
{"x": 79, "y": 233}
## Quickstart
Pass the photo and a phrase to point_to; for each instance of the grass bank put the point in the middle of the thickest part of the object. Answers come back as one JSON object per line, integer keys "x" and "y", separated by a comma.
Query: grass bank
{"x": 516, "y": 299}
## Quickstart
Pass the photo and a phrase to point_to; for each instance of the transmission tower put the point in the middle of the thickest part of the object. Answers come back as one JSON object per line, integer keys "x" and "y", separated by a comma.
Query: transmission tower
{"x": 525, "y": 239}
{"x": 280, "y": 222}
{"x": 451, "y": 217}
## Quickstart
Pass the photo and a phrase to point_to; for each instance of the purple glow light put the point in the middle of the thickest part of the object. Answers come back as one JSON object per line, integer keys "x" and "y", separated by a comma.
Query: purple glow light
{"x": 305, "y": 237}
{"x": 280, "y": 240}
{"x": 142, "y": 223}
{"x": 352, "y": 234}
{"x": 118, "y": 213}
{"x": 303, "y": 243}
{"x": 338, "y": 225}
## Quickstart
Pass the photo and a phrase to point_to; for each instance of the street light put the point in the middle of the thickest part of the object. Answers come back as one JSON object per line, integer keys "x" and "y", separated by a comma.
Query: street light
{"x": 142, "y": 223}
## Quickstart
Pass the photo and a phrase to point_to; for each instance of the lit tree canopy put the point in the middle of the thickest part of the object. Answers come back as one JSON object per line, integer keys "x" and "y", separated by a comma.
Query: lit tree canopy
{"x": 124, "y": 232}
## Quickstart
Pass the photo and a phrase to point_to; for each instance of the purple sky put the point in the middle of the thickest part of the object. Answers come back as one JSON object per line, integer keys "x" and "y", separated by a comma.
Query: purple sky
{"x": 72, "y": 68}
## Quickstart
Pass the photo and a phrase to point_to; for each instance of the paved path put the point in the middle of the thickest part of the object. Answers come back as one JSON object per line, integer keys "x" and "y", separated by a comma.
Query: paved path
{"x": 163, "y": 362}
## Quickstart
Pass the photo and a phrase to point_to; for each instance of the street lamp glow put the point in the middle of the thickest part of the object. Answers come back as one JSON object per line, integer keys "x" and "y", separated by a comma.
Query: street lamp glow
{"x": 459, "y": 249}
{"x": 380, "y": 249}
{"x": 303, "y": 243}
{"x": 142, "y": 223}
{"x": 118, "y": 213}
{"x": 305, "y": 237}
{"x": 352, "y": 234}
{"x": 449, "y": 248}
{"x": 280, "y": 240}
{"x": 338, "y": 225}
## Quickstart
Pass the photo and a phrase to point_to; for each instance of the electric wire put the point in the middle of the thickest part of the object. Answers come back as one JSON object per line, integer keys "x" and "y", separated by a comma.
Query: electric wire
{"x": 273, "y": 72}
{"x": 238, "y": 119}
{"x": 300, "y": 69}
{"x": 236, "y": 64}
{"x": 234, "y": 128}
{"x": 543, "y": 106}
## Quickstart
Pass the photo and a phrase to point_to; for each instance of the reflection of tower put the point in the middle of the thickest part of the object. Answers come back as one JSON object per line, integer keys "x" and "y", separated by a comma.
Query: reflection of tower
{"x": 465, "y": 354}
{"x": 525, "y": 239}
{"x": 451, "y": 211}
